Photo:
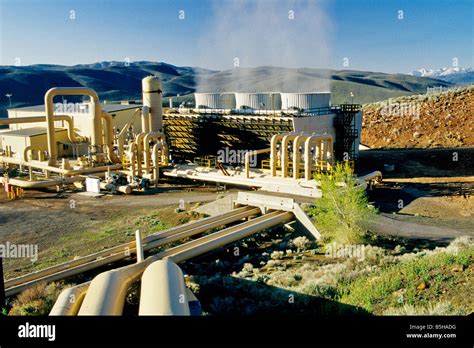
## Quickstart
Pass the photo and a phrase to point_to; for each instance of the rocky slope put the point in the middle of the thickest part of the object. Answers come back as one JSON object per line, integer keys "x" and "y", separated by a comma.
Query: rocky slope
{"x": 444, "y": 119}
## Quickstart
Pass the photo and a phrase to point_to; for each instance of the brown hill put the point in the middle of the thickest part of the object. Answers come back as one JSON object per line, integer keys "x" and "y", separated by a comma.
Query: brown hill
{"x": 443, "y": 119}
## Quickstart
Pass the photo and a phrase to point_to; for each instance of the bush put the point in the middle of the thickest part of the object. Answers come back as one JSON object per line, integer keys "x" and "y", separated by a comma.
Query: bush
{"x": 301, "y": 243}
{"x": 343, "y": 212}
{"x": 37, "y": 300}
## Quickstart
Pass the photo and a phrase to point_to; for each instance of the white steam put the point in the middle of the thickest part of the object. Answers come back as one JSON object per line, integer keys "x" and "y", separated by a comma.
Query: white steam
{"x": 266, "y": 33}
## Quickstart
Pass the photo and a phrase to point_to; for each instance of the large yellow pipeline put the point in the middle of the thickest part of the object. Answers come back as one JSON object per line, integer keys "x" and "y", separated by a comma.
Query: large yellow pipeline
{"x": 284, "y": 153}
{"x": 274, "y": 152}
{"x": 107, "y": 291}
{"x": 122, "y": 251}
{"x": 163, "y": 291}
{"x": 296, "y": 154}
{"x": 158, "y": 137}
{"x": 70, "y": 300}
{"x": 73, "y": 138}
{"x": 96, "y": 126}
{"x": 44, "y": 183}
{"x": 109, "y": 137}
{"x": 325, "y": 153}
{"x": 65, "y": 172}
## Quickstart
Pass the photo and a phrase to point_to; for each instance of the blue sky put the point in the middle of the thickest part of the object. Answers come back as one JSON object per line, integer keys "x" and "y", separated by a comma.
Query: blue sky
{"x": 432, "y": 33}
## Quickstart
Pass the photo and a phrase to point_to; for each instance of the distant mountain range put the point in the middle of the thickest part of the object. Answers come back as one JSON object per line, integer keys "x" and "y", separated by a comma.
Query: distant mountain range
{"x": 452, "y": 74}
{"x": 116, "y": 81}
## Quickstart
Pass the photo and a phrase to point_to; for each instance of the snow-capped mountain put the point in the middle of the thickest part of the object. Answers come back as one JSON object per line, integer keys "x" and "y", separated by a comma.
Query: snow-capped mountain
{"x": 452, "y": 74}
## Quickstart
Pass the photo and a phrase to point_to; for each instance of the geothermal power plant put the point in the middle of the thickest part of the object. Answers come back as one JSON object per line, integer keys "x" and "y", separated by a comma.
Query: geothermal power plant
{"x": 285, "y": 139}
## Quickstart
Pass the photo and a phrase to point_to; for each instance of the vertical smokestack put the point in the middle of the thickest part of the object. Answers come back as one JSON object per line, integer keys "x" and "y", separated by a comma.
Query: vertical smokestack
{"x": 152, "y": 98}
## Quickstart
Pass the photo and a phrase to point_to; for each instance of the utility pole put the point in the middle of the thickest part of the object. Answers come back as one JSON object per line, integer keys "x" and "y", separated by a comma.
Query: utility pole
{"x": 9, "y": 96}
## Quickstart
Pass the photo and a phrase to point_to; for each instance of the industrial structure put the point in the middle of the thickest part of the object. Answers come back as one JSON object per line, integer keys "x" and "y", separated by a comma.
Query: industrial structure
{"x": 127, "y": 147}
{"x": 284, "y": 139}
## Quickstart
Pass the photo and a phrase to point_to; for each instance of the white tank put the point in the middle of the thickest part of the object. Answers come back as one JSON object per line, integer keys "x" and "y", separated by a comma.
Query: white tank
{"x": 215, "y": 100}
{"x": 258, "y": 101}
{"x": 305, "y": 101}
{"x": 152, "y": 97}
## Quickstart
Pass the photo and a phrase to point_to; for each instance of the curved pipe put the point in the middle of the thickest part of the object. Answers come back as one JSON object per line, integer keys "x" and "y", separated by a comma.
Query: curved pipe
{"x": 273, "y": 153}
{"x": 163, "y": 291}
{"x": 158, "y": 137}
{"x": 319, "y": 140}
{"x": 139, "y": 149}
{"x": 247, "y": 159}
{"x": 95, "y": 119}
{"x": 284, "y": 155}
{"x": 70, "y": 300}
{"x": 109, "y": 137}
{"x": 296, "y": 154}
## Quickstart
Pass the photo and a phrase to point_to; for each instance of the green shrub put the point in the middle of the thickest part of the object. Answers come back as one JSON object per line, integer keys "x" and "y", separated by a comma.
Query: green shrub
{"x": 37, "y": 300}
{"x": 343, "y": 212}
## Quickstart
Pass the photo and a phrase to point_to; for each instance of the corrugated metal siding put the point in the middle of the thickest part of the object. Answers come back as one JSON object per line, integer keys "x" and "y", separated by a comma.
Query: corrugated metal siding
{"x": 215, "y": 100}
{"x": 258, "y": 101}
{"x": 305, "y": 101}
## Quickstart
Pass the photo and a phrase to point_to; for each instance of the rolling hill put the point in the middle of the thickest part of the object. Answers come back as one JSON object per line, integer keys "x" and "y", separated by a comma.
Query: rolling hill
{"x": 115, "y": 81}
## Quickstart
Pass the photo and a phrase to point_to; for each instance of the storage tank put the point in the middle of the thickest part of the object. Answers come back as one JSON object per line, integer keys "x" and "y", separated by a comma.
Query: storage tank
{"x": 258, "y": 101}
{"x": 152, "y": 97}
{"x": 215, "y": 100}
{"x": 305, "y": 101}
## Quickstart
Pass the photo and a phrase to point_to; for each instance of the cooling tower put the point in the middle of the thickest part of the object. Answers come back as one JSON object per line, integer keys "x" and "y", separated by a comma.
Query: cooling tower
{"x": 305, "y": 101}
{"x": 215, "y": 100}
{"x": 258, "y": 101}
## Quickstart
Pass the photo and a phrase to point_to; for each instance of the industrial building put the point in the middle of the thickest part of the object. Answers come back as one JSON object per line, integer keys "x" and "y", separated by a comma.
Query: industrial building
{"x": 214, "y": 124}
{"x": 126, "y": 148}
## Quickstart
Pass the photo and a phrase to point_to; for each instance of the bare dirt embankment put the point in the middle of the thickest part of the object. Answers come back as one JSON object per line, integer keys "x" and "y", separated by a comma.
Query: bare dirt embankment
{"x": 444, "y": 119}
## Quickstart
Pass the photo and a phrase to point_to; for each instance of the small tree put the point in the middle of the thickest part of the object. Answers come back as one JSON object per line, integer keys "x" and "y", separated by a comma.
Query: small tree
{"x": 343, "y": 211}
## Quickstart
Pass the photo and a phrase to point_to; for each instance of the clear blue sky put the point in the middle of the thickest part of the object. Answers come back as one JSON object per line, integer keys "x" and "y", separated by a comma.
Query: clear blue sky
{"x": 368, "y": 32}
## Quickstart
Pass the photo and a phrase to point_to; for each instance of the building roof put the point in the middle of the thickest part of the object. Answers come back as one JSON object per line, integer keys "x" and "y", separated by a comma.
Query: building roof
{"x": 105, "y": 107}
{"x": 28, "y": 132}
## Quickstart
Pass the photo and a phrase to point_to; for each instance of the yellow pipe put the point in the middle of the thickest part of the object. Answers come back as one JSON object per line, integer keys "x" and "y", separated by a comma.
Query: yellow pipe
{"x": 146, "y": 123}
{"x": 66, "y": 172}
{"x": 284, "y": 154}
{"x": 158, "y": 136}
{"x": 139, "y": 153}
{"x": 318, "y": 139}
{"x": 296, "y": 154}
{"x": 163, "y": 291}
{"x": 107, "y": 291}
{"x": 122, "y": 251}
{"x": 156, "y": 162}
{"x": 44, "y": 183}
{"x": 273, "y": 153}
{"x": 109, "y": 137}
{"x": 95, "y": 119}
{"x": 69, "y": 300}
{"x": 247, "y": 159}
